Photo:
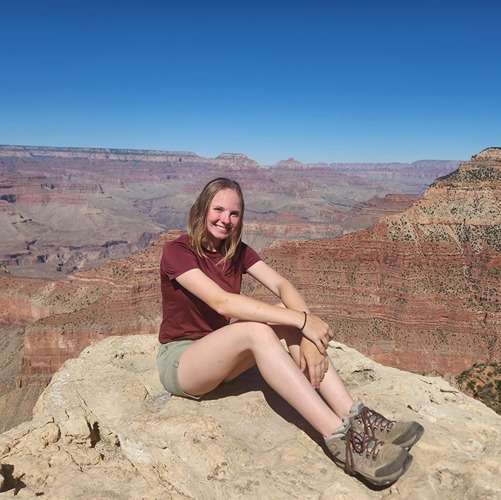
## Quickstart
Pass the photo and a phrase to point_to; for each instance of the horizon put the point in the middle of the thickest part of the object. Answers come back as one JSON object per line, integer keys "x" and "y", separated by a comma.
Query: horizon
{"x": 329, "y": 82}
{"x": 236, "y": 153}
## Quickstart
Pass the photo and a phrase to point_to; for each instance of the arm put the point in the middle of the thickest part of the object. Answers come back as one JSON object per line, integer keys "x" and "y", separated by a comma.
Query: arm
{"x": 312, "y": 358}
{"x": 249, "y": 309}
{"x": 279, "y": 285}
{"x": 291, "y": 299}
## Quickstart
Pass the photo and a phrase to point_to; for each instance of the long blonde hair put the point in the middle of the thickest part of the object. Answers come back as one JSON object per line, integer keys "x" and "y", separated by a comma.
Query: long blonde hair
{"x": 197, "y": 219}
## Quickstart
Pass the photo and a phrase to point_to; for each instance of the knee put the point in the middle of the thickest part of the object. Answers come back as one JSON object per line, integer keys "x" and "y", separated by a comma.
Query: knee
{"x": 262, "y": 333}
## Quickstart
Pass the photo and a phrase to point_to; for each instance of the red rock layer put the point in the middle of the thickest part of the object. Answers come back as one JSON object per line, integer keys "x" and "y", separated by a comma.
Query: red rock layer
{"x": 121, "y": 298}
{"x": 420, "y": 290}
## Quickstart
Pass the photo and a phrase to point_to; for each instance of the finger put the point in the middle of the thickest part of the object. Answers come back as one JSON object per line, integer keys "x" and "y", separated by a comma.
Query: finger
{"x": 320, "y": 347}
{"x": 302, "y": 363}
{"x": 326, "y": 364}
{"x": 320, "y": 374}
{"x": 314, "y": 377}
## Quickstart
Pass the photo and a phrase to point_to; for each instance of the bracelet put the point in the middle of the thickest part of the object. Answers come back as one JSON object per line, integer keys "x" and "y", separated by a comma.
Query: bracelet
{"x": 305, "y": 319}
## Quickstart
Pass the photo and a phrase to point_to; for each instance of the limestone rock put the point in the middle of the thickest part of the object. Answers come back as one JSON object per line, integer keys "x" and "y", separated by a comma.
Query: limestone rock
{"x": 105, "y": 428}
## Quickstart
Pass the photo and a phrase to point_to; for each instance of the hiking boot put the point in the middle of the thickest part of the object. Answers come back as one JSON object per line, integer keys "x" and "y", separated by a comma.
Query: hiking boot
{"x": 365, "y": 420}
{"x": 379, "y": 463}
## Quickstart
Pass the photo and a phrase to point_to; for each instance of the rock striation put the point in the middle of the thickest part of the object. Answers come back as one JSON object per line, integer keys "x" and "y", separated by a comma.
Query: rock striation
{"x": 67, "y": 209}
{"x": 120, "y": 298}
{"x": 418, "y": 290}
{"x": 105, "y": 428}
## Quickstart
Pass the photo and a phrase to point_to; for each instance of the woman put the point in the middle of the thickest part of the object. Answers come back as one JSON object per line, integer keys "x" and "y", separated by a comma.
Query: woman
{"x": 211, "y": 334}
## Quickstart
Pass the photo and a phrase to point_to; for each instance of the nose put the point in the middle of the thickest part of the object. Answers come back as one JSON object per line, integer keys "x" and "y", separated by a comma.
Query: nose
{"x": 225, "y": 218}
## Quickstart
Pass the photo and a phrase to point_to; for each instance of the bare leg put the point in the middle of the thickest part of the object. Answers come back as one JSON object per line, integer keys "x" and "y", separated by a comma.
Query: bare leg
{"x": 332, "y": 387}
{"x": 225, "y": 353}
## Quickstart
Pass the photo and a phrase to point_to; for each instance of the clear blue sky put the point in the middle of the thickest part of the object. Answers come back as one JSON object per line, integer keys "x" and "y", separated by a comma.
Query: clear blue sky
{"x": 315, "y": 80}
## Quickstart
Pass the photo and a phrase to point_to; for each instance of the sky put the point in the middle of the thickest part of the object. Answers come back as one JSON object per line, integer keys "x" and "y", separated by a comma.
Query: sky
{"x": 315, "y": 80}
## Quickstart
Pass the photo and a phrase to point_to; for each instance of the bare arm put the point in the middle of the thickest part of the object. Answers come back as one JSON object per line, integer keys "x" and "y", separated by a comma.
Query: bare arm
{"x": 290, "y": 297}
{"x": 249, "y": 309}
{"x": 279, "y": 285}
{"x": 312, "y": 358}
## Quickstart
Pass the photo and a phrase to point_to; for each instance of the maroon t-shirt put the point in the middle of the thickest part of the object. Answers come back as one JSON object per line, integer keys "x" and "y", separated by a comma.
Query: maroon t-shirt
{"x": 184, "y": 315}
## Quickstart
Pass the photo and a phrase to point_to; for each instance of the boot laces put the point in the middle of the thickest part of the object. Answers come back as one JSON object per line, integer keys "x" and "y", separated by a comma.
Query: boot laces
{"x": 373, "y": 421}
{"x": 360, "y": 444}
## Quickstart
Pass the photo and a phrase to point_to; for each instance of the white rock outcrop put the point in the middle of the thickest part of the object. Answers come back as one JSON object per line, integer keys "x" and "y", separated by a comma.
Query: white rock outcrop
{"x": 105, "y": 428}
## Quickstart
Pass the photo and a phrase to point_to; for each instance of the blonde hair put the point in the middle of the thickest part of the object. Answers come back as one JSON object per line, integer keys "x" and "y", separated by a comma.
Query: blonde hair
{"x": 197, "y": 219}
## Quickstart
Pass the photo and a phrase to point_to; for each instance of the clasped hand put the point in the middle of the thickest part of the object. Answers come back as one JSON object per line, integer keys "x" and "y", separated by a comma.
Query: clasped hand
{"x": 319, "y": 332}
{"x": 317, "y": 335}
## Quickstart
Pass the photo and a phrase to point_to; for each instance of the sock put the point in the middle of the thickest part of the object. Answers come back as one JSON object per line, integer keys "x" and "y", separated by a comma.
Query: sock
{"x": 341, "y": 430}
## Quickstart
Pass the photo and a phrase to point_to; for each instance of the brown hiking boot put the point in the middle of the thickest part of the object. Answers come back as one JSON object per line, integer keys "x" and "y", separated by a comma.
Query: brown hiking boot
{"x": 372, "y": 423}
{"x": 379, "y": 463}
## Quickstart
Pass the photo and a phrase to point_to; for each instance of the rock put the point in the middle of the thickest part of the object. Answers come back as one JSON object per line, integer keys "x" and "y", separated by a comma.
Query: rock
{"x": 418, "y": 290}
{"x": 105, "y": 428}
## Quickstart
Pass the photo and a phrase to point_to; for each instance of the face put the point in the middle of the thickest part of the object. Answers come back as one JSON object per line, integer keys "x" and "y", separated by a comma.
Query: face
{"x": 223, "y": 217}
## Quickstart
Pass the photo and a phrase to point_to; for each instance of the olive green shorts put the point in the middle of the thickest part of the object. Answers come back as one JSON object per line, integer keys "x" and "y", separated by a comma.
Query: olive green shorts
{"x": 168, "y": 357}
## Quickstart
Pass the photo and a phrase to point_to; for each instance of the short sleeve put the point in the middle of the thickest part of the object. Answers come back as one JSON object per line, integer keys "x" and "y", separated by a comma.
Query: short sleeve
{"x": 250, "y": 258}
{"x": 177, "y": 258}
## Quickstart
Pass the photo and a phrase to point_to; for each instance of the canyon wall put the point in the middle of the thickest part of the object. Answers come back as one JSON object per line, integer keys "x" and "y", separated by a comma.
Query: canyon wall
{"x": 420, "y": 290}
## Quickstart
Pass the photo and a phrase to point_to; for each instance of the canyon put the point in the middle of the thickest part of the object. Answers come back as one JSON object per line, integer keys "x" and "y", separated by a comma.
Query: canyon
{"x": 418, "y": 290}
{"x": 69, "y": 209}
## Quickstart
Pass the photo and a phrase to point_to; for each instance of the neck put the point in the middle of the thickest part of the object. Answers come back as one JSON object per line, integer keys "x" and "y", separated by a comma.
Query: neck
{"x": 212, "y": 246}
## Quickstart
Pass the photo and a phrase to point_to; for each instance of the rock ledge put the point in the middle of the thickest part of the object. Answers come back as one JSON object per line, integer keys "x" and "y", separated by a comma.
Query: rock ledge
{"x": 105, "y": 428}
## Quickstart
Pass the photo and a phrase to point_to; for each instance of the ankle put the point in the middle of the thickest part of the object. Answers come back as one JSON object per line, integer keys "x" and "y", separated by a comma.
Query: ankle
{"x": 339, "y": 431}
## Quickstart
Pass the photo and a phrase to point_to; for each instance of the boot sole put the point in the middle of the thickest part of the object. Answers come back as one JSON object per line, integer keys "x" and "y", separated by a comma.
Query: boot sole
{"x": 417, "y": 437}
{"x": 387, "y": 480}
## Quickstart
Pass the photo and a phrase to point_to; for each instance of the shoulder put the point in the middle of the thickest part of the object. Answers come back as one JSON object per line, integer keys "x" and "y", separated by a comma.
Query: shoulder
{"x": 178, "y": 256}
{"x": 181, "y": 242}
{"x": 248, "y": 255}
{"x": 178, "y": 249}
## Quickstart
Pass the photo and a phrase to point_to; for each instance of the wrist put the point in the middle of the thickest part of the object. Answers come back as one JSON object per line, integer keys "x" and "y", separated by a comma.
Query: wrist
{"x": 304, "y": 321}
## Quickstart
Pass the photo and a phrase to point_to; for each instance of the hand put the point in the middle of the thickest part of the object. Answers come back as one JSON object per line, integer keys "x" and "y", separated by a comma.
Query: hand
{"x": 319, "y": 332}
{"x": 314, "y": 364}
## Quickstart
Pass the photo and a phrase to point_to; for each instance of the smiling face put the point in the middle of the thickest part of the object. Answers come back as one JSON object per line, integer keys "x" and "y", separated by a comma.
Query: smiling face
{"x": 223, "y": 217}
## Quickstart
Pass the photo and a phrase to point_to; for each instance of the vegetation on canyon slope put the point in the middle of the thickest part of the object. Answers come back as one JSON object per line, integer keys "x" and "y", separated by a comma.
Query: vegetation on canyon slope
{"x": 483, "y": 382}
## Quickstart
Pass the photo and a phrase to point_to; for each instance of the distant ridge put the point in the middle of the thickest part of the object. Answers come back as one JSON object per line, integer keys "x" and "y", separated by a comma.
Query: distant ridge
{"x": 157, "y": 155}
{"x": 77, "y": 152}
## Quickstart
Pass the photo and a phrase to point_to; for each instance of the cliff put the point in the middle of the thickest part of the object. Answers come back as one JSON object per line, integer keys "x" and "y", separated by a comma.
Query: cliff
{"x": 105, "y": 428}
{"x": 121, "y": 298}
{"x": 418, "y": 290}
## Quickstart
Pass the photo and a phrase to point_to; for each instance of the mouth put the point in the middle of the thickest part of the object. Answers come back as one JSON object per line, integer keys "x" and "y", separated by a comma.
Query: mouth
{"x": 223, "y": 228}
